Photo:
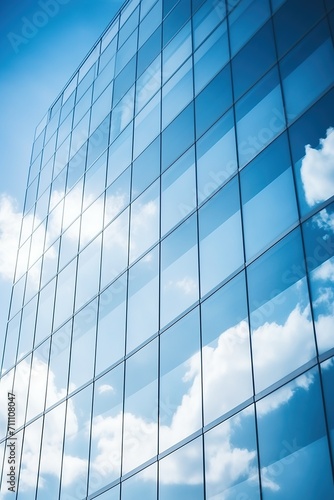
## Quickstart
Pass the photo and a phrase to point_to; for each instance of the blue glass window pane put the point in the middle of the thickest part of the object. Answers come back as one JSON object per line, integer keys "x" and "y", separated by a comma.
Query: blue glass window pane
{"x": 293, "y": 445}
{"x": 210, "y": 57}
{"x": 180, "y": 133}
{"x": 140, "y": 429}
{"x": 216, "y": 156}
{"x": 245, "y": 19}
{"x": 181, "y": 473}
{"x": 327, "y": 375}
{"x": 151, "y": 21}
{"x": 58, "y": 364}
{"x": 88, "y": 275}
{"x": 226, "y": 350}
{"x": 176, "y": 52}
{"x": 144, "y": 225}
{"x": 147, "y": 125}
{"x": 268, "y": 196}
{"x": 105, "y": 450}
{"x": 206, "y": 19}
{"x": 141, "y": 485}
{"x": 111, "y": 325}
{"x": 308, "y": 70}
{"x": 83, "y": 346}
{"x": 231, "y": 459}
{"x": 260, "y": 117}
{"x": 146, "y": 168}
{"x": 280, "y": 319}
{"x": 124, "y": 80}
{"x": 178, "y": 191}
{"x": 76, "y": 444}
{"x": 148, "y": 84}
{"x": 175, "y": 20}
{"x": 149, "y": 51}
{"x": 311, "y": 140}
{"x": 213, "y": 101}
{"x": 288, "y": 31}
{"x": 221, "y": 248}
{"x": 143, "y": 300}
{"x": 180, "y": 372}
{"x": 114, "y": 249}
{"x": 98, "y": 142}
{"x": 179, "y": 271}
{"x": 177, "y": 93}
{"x": 253, "y": 60}
{"x": 319, "y": 247}
{"x": 120, "y": 154}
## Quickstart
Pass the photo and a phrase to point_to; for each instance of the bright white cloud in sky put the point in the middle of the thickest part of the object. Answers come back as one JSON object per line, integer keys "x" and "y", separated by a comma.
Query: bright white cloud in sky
{"x": 317, "y": 170}
{"x": 10, "y": 224}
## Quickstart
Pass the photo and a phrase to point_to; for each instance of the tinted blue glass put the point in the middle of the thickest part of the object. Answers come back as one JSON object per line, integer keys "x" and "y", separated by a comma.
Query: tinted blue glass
{"x": 213, "y": 101}
{"x": 206, "y": 19}
{"x": 221, "y": 249}
{"x": 319, "y": 246}
{"x": 280, "y": 319}
{"x": 124, "y": 80}
{"x": 98, "y": 141}
{"x": 176, "y": 52}
{"x": 141, "y": 485}
{"x": 181, "y": 473}
{"x": 268, "y": 196}
{"x": 83, "y": 346}
{"x": 149, "y": 51}
{"x": 231, "y": 459}
{"x": 144, "y": 223}
{"x": 216, "y": 156}
{"x": 245, "y": 19}
{"x": 253, "y": 60}
{"x": 146, "y": 168}
{"x": 180, "y": 133}
{"x": 327, "y": 375}
{"x": 106, "y": 429}
{"x": 143, "y": 300}
{"x": 288, "y": 31}
{"x": 110, "y": 344}
{"x": 178, "y": 191}
{"x": 179, "y": 271}
{"x": 308, "y": 70}
{"x": 76, "y": 444}
{"x": 120, "y": 154}
{"x": 175, "y": 20}
{"x": 151, "y": 21}
{"x": 177, "y": 93}
{"x": 311, "y": 139}
{"x": 210, "y": 57}
{"x": 260, "y": 117}
{"x": 226, "y": 350}
{"x": 180, "y": 374}
{"x": 140, "y": 407}
{"x": 293, "y": 456}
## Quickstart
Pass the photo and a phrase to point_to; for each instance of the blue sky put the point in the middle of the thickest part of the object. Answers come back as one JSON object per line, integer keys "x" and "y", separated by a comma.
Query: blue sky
{"x": 42, "y": 42}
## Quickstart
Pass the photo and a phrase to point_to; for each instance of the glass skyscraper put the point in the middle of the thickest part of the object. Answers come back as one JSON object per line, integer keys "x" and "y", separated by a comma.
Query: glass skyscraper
{"x": 171, "y": 329}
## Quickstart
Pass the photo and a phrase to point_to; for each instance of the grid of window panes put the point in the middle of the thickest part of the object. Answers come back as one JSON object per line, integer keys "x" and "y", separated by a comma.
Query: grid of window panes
{"x": 171, "y": 326}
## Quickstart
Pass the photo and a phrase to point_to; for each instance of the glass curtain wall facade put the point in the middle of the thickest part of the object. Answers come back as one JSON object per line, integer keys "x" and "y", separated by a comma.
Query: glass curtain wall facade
{"x": 171, "y": 329}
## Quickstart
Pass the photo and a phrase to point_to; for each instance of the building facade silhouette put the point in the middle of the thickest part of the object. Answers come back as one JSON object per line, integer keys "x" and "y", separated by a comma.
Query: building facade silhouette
{"x": 171, "y": 328}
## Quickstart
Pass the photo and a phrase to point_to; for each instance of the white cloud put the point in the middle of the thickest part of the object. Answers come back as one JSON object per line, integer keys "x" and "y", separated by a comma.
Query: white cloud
{"x": 325, "y": 271}
{"x": 105, "y": 388}
{"x": 10, "y": 224}
{"x": 278, "y": 349}
{"x": 317, "y": 170}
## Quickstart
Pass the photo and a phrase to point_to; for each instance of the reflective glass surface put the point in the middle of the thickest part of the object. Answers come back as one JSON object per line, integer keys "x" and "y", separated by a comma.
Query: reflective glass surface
{"x": 170, "y": 331}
